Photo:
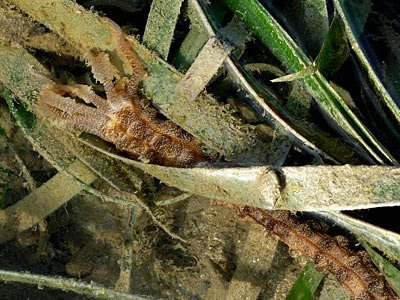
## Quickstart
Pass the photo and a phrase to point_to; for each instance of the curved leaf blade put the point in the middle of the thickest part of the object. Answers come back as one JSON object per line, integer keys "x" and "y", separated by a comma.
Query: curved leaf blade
{"x": 352, "y": 29}
{"x": 268, "y": 30}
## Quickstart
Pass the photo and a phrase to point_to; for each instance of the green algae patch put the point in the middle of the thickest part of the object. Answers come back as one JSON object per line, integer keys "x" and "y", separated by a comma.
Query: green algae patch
{"x": 21, "y": 73}
{"x": 383, "y": 190}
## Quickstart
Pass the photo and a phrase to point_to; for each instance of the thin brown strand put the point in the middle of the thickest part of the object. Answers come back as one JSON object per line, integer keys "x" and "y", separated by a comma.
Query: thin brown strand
{"x": 137, "y": 65}
{"x": 137, "y": 68}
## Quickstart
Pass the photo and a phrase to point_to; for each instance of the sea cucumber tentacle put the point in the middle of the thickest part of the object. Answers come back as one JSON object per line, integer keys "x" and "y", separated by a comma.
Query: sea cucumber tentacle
{"x": 66, "y": 113}
{"x": 87, "y": 94}
{"x": 103, "y": 71}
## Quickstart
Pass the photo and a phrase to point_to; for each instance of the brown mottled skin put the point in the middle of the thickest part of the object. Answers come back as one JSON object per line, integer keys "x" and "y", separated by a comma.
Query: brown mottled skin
{"x": 353, "y": 270}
